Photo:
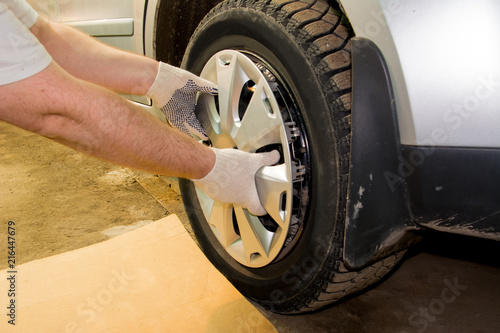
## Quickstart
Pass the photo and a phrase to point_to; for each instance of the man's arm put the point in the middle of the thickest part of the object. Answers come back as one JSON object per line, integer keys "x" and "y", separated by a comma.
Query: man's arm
{"x": 88, "y": 59}
{"x": 100, "y": 123}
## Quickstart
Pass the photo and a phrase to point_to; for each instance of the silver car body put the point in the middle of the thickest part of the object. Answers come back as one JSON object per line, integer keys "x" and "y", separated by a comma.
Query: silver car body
{"x": 444, "y": 62}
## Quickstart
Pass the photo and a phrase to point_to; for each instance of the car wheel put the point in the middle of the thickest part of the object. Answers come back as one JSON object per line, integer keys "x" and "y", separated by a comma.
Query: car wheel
{"x": 283, "y": 70}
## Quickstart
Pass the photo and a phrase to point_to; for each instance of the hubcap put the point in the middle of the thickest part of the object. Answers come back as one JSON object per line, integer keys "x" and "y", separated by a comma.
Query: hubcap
{"x": 254, "y": 112}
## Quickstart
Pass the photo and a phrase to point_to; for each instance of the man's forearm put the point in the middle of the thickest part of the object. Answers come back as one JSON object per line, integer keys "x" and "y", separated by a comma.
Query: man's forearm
{"x": 88, "y": 59}
{"x": 100, "y": 123}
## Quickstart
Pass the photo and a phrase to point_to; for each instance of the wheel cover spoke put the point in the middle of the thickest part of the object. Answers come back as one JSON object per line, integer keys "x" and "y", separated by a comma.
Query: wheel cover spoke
{"x": 259, "y": 127}
{"x": 273, "y": 184}
{"x": 221, "y": 221}
{"x": 255, "y": 238}
{"x": 230, "y": 80}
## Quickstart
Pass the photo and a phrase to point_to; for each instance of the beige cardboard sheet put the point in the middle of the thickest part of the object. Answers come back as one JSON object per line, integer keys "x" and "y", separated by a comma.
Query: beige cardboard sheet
{"x": 153, "y": 279}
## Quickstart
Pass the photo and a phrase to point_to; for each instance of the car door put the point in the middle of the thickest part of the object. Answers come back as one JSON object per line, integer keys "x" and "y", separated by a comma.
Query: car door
{"x": 115, "y": 22}
{"x": 111, "y": 21}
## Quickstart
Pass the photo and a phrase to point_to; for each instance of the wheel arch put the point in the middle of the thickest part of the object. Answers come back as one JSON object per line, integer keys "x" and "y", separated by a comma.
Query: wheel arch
{"x": 172, "y": 28}
{"x": 168, "y": 42}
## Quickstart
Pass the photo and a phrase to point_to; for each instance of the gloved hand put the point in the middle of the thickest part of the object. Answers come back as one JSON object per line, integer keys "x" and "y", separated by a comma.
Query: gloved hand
{"x": 232, "y": 179}
{"x": 174, "y": 92}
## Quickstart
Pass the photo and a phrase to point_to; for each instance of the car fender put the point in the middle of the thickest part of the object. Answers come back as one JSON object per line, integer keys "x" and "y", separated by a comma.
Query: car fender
{"x": 442, "y": 58}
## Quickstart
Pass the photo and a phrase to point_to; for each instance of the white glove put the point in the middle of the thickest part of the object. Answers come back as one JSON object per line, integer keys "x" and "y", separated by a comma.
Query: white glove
{"x": 232, "y": 179}
{"x": 174, "y": 92}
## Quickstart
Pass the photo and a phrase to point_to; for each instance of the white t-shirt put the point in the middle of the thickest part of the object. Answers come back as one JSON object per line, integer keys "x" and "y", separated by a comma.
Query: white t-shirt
{"x": 21, "y": 54}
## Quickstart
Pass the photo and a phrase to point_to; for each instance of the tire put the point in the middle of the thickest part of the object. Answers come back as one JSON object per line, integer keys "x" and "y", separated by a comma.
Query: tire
{"x": 305, "y": 45}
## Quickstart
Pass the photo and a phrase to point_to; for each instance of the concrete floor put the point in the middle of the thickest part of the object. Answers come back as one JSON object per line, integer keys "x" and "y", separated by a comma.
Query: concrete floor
{"x": 417, "y": 297}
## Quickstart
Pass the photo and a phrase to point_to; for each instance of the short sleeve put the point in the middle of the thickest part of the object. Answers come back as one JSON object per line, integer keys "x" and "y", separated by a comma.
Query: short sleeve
{"x": 21, "y": 54}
